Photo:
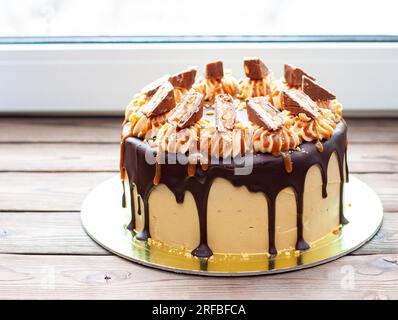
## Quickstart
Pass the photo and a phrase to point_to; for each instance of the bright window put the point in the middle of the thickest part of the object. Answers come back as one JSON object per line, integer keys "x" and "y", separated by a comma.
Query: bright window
{"x": 206, "y": 17}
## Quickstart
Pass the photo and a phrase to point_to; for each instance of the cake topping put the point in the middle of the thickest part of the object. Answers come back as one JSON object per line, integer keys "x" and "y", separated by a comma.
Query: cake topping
{"x": 152, "y": 87}
{"x": 277, "y": 117}
{"x": 297, "y": 102}
{"x": 315, "y": 91}
{"x": 294, "y": 75}
{"x": 188, "y": 111}
{"x": 262, "y": 113}
{"x": 161, "y": 102}
{"x": 214, "y": 70}
{"x": 255, "y": 68}
{"x": 225, "y": 113}
{"x": 184, "y": 79}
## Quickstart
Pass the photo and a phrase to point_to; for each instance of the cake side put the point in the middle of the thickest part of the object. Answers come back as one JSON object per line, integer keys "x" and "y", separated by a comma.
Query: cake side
{"x": 243, "y": 213}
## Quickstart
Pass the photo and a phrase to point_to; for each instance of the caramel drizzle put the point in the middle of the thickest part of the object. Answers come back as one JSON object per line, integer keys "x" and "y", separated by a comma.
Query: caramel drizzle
{"x": 242, "y": 142}
{"x": 191, "y": 169}
{"x": 287, "y": 161}
{"x": 121, "y": 163}
{"x": 319, "y": 146}
{"x": 158, "y": 173}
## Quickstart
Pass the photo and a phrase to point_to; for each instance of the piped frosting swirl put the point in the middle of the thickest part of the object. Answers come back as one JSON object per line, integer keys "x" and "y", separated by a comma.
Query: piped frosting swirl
{"x": 210, "y": 88}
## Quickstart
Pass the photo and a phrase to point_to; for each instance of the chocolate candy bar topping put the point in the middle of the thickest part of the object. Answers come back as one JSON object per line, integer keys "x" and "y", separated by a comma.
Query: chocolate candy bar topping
{"x": 214, "y": 70}
{"x": 255, "y": 68}
{"x": 224, "y": 112}
{"x": 297, "y": 102}
{"x": 184, "y": 79}
{"x": 152, "y": 87}
{"x": 162, "y": 101}
{"x": 294, "y": 75}
{"x": 315, "y": 91}
{"x": 188, "y": 111}
{"x": 261, "y": 112}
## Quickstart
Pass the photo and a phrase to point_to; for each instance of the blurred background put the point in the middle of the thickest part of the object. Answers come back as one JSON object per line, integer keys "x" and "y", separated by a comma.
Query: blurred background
{"x": 206, "y": 17}
{"x": 70, "y": 56}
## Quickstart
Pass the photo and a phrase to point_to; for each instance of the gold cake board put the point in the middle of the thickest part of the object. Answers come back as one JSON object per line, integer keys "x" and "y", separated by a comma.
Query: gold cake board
{"x": 105, "y": 221}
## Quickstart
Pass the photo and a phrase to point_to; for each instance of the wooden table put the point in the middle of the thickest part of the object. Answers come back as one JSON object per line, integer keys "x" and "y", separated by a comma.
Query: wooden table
{"x": 48, "y": 165}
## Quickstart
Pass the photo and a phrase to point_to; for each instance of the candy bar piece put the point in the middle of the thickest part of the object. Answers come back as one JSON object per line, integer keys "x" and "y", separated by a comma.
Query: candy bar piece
{"x": 214, "y": 70}
{"x": 315, "y": 91}
{"x": 151, "y": 88}
{"x": 261, "y": 112}
{"x": 184, "y": 79}
{"x": 297, "y": 102}
{"x": 188, "y": 111}
{"x": 294, "y": 75}
{"x": 162, "y": 101}
{"x": 255, "y": 68}
{"x": 225, "y": 113}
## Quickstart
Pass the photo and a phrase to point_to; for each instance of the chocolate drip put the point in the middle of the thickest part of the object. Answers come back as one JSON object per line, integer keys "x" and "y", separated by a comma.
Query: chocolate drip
{"x": 141, "y": 174}
{"x": 324, "y": 175}
{"x": 268, "y": 176}
{"x": 139, "y": 212}
{"x": 343, "y": 157}
{"x": 301, "y": 244}
{"x": 124, "y": 195}
{"x": 345, "y": 154}
{"x": 131, "y": 225}
{"x": 144, "y": 235}
{"x": 203, "y": 250}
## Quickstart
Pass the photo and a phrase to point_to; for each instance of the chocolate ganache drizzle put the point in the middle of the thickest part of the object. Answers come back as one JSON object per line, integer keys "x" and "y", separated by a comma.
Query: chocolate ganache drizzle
{"x": 271, "y": 173}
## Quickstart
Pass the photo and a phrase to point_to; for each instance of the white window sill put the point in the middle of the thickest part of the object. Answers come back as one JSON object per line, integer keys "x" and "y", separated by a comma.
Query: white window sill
{"x": 102, "y": 78}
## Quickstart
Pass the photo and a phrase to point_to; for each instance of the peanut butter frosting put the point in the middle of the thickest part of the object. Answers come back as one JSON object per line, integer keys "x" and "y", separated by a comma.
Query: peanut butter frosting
{"x": 210, "y": 88}
{"x": 249, "y": 88}
{"x": 205, "y": 137}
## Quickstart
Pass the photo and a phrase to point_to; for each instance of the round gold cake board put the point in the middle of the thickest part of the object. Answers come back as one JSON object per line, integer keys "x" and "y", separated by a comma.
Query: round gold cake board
{"x": 105, "y": 221}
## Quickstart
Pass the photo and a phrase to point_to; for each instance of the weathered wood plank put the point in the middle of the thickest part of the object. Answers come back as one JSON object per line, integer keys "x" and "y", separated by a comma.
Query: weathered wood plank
{"x": 60, "y": 129}
{"x": 105, "y": 157}
{"x": 45, "y": 233}
{"x": 372, "y": 130}
{"x": 363, "y": 158}
{"x": 109, "y": 277}
{"x": 107, "y": 129}
{"x": 386, "y": 186}
{"x": 62, "y": 233}
{"x": 59, "y": 157}
{"x": 386, "y": 240}
{"x": 30, "y": 191}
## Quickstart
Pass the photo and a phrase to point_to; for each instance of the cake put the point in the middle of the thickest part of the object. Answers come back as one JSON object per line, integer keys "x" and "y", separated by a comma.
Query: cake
{"x": 215, "y": 165}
